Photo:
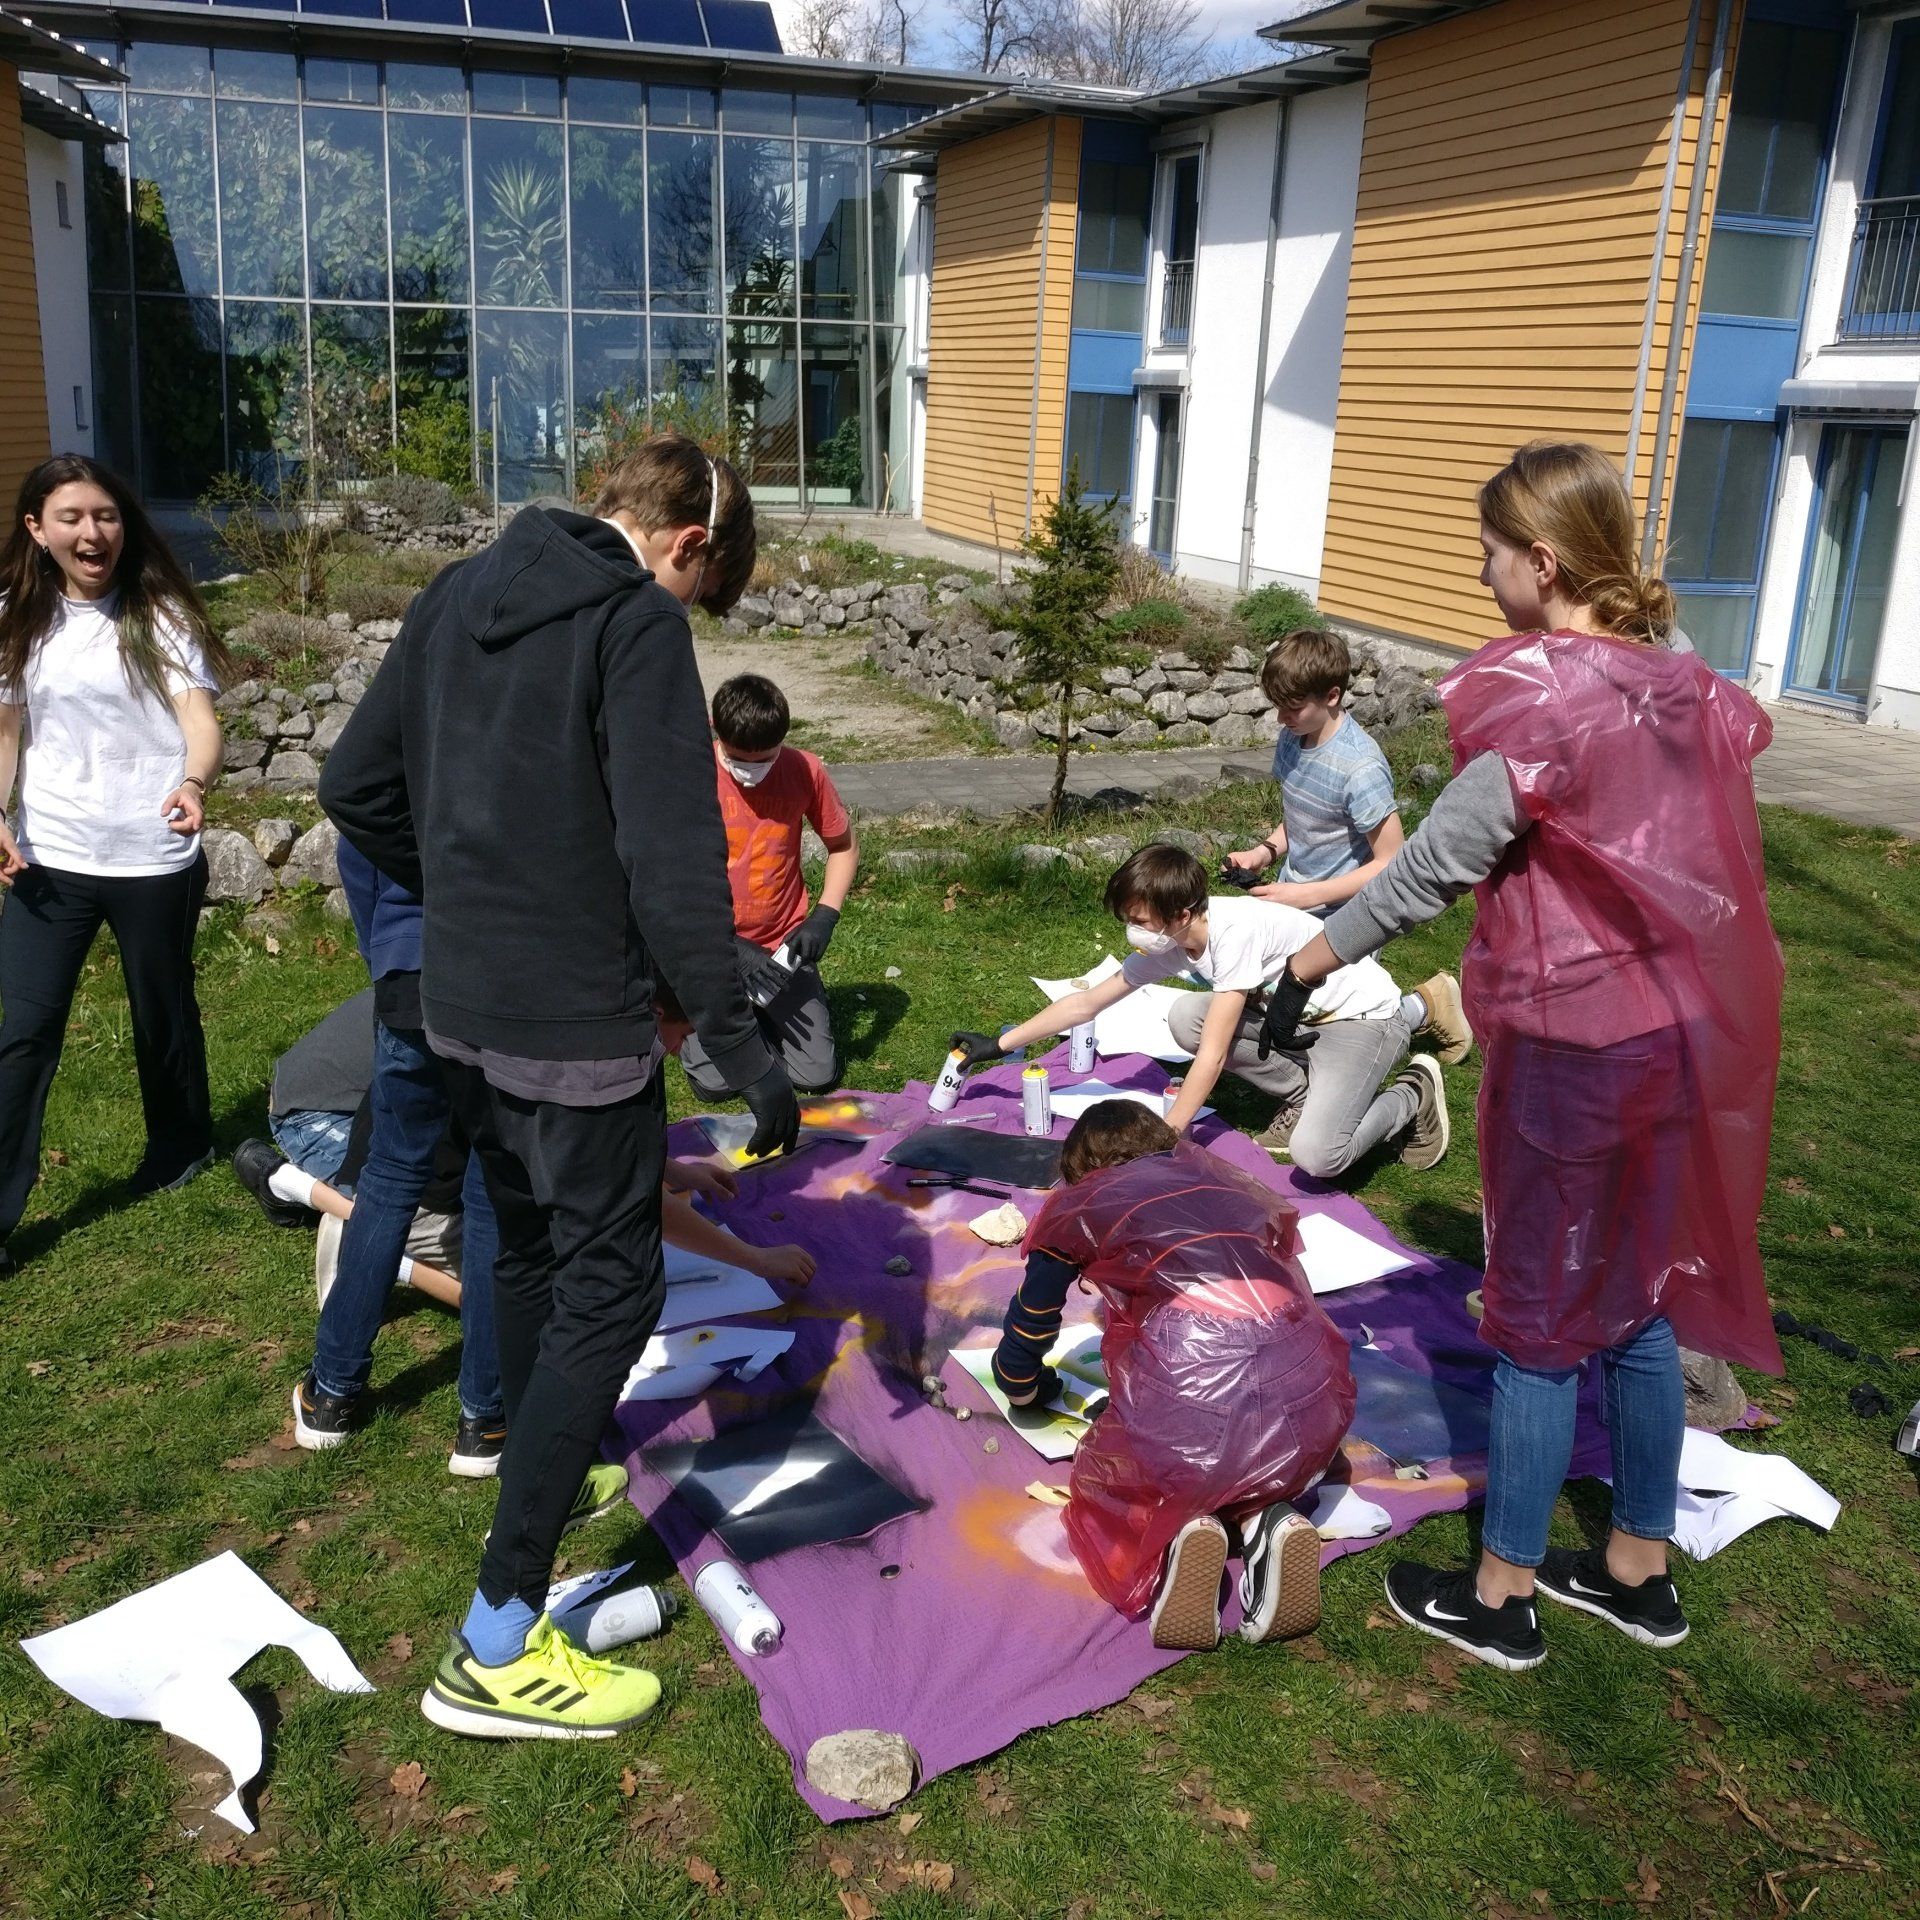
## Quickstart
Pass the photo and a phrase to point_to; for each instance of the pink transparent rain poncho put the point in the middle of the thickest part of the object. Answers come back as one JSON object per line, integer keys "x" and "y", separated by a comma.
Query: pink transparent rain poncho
{"x": 1624, "y": 981}
{"x": 1230, "y": 1387}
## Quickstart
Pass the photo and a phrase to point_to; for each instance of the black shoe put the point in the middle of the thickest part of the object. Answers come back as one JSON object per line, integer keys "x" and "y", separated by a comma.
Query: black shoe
{"x": 1447, "y": 1606}
{"x": 1649, "y": 1613}
{"x": 320, "y": 1420}
{"x": 169, "y": 1176}
{"x": 477, "y": 1447}
{"x": 255, "y": 1162}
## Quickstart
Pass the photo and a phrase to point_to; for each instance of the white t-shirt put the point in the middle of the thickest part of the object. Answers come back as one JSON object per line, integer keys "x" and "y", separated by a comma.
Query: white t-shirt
{"x": 1249, "y": 942}
{"x": 98, "y": 756}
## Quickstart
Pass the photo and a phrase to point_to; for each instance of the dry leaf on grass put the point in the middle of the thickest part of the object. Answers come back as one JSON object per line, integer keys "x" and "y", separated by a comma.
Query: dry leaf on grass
{"x": 454, "y": 1815}
{"x": 502, "y": 1881}
{"x": 39, "y": 1368}
{"x": 629, "y": 1784}
{"x": 1265, "y": 1870}
{"x": 855, "y": 1904}
{"x": 400, "y": 1647}
{"x": 1645, "y": 1890}
{"x": 409, "y": 1780}
{"x": 703, "y": 1873}
{"x": 840, "y": 1866}
{"x": 908, "y": 1821}
{"x": 952, "y": 897}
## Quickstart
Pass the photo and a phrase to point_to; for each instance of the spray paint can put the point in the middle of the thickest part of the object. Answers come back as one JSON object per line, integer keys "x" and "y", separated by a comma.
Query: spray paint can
{"x": 735, "y": 1608}
{"x": 1172, "y": 1095}
{"x": 616, "y": 1616}
{"x": 1080, "y": 1047}
{"x": 1036, "y": 1103}
{"x": 946, "y": 1088}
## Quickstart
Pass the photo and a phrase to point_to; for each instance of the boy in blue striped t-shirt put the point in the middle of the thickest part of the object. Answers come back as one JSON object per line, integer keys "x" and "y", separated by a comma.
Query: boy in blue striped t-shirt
{"x": 1339, "y": 821}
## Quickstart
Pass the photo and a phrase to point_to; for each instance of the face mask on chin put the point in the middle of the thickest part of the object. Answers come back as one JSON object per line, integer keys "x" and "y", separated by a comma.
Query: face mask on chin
{"x": 748, "y": 772}
{"x": 1145, "y": 940}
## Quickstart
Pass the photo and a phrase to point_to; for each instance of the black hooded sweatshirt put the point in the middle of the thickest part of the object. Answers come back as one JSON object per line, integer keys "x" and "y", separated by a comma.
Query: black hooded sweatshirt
{"x": 533, "y": 759}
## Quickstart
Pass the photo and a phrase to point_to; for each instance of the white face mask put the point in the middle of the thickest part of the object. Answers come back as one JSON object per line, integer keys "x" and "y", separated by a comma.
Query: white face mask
{"x": 748, "y": 772}
{"x": 1145, "y": 940}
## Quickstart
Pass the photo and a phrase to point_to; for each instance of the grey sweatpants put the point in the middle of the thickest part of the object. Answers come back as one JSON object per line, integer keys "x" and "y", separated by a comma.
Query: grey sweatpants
{"x": 796, "y": 1025}
{"x": 1333, "y": 1085}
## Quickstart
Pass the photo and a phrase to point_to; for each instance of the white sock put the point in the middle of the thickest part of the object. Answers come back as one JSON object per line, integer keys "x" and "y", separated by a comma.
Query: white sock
{"x": 290, "y": 1184}
{"x": 1413, "y": 1010}
{"x": 405, "y": 1275}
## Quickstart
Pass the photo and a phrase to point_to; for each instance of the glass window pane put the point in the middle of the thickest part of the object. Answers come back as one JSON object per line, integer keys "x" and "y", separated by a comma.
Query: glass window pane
{"x": 687, "y": 392}
{"x": 1183, "y": 220}
{"x": 526, "y": 355}
{"x": 109, "y": 264}
{"x": 680, "y": 192}
{"x": 763, "y": 403}
{"x": 1109, "y": 306}
{"x": 1100, "y": 440}
{"x": 519, "y": 215}
{"x": 892, "y": 208}
{"x": 537, "y": 94}
{"x": 161, "y": 67}
{"x": 346, "y": 204}
{"x": 351, "y": 82}
{"x": 680, "y": 106}
{"x": 1896, "y": 171}
{"x": 427, "y": 177}
{"x": 833, "y": 219}
{"x": 510, "y": 16}
{"x": 889, "y": 116}
{"x": 609, "y": 390}
{"x": 431, "y": 365}
{"x": 620, "y": 103}
{"x": 1696, "y": 486}
{"x": 180, "y": 427}
{"x": 430, "y": 87}
{"x": 830, "y": 116}
{"x": 1745, "y": 487}
{"x": 1718, "y": 624}
{"x": 893, "y": 426}
{"x": 1759, "y": 274}
{"x": 759, "y": 226}
{"x": 608, "y": 174}
{"x": 589, "y": 19}
{"x": 431, "y": 13}
{"x": 115, "y": 424}
{"x": 352, "y": 392}
{"x": 260, "y": 250}
{"x": 266, "y": 388}
{"x": 174, "y": 246}
{"x": 1782, "y": 95}
{"x": 1114, "y": 201}
{"x": 749, "y": 110}
{"x": 250, "y": 73}
{"x": 834, "y": 379}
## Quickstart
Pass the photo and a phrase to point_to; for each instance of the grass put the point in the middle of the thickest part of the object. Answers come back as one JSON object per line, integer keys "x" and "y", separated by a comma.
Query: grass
{"x": 147, "y": 1352}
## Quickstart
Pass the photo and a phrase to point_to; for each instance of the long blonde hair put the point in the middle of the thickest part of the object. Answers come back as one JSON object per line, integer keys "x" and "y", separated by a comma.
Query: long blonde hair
{"x": 1569, "y": 496}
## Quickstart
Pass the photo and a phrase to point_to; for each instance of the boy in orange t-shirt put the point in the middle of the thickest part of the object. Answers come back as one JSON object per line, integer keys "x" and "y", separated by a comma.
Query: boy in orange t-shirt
{"x": 768, "y": 791}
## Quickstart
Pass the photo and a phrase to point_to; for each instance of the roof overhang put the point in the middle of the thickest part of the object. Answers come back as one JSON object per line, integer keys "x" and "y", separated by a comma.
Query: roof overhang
{"x": 22, "y": 44}
{"x": 66, "y": 118}
{"x": 1359, "y": 23}
{"x": 1850, "y": 396}
{"x": 548, "y": 54}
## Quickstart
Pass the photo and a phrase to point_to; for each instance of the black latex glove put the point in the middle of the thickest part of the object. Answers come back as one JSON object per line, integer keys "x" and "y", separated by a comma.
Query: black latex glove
{"x": 1243, "y": 878}
{"x": 807, "y": 943}
{"x": 1286, "y": 1007}
{"x": 765, "y": 979}
{"x": 978, "y": 1048}
{"x": 777, "y": 1109}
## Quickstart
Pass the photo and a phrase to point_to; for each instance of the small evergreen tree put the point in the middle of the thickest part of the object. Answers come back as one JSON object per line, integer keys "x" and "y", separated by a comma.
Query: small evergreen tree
{"x": 1064, "y": 641}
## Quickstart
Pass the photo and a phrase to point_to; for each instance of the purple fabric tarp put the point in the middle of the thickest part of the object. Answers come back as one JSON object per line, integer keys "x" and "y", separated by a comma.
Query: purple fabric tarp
{"x": 966, "y": 1624}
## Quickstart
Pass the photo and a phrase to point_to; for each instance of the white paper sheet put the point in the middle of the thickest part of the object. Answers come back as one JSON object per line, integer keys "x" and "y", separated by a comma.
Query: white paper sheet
{"x": 1069, "y": 1103}
{"x": 683, "y": 1364}
{"x": 169, "y": 1654}
{"x": 1725, "y": 1492}
{"x": 1339, "y": 1513}
{"x": 579, "y": 1588}
{"x": 701, "y": 1291}
{"x": 1137, "y": 1024}
{"x": 1335, "y": 1257}
{"x": 1052, "y": 1430}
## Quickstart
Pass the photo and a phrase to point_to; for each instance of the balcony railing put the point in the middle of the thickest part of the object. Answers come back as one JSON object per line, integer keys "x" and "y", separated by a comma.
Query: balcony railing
{"x": 1176, "y": 303}
{"x": 1883, "y": 285}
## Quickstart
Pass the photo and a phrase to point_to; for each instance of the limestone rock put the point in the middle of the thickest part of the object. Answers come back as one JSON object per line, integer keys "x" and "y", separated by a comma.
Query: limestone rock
{"x": 1249, "y": 700}
{"x": 273, "y": 840}
{"x": 789, "y": 612}
{"x": 243, "y": 693}
{"x": 315, "y": 857}
{"x": 241, "y": 779}
{"x": 1196, "y": 844}
{"x": 1235, "y": 730}
{"x": 1187, "y": 679}
{"x": 1106, "y": 849}
{"x": 865, "y": 1767}
{"x": 1187, "y": 733}
{"x": 235, "y": 870}
{"x": 1035, "y": 855}
{"x": 335, "y": 905}
{"x": 297, "y": 726}
{"x": 753, "y": 610}
{"x": 340, "y": 622}
{"x": 268, "y": 923}
{"x": 326, "y": 736}
{"x": 1015, "y": 732}
{"x": 1138, "y": 733}
{"x": 812, "y": 847}
{"x": 1426, "y": 774}
{"x": 293, "y": 772}
{"x": 1206, "y": 706}
{"x": 317, "y": 693}
{"x": 899, "y": 1266}
{"x": 238, "y": 753}
{"x": 1168, "y": 707}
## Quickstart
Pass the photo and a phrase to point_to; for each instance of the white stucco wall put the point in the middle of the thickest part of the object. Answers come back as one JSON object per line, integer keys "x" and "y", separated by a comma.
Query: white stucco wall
{"x": 1302, "y": 385}
{"x": 60, "y": 268}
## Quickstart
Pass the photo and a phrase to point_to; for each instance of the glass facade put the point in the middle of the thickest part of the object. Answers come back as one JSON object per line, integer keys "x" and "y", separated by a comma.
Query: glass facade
{"x": 294, "y": 253}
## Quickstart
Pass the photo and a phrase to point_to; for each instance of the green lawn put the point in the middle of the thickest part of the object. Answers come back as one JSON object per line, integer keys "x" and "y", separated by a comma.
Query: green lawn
{"x": 146, "y": 1355}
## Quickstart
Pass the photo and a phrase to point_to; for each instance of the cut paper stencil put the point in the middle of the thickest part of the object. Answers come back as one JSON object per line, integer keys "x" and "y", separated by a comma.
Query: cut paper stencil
{"x": 821, "y": 1121}
{"x": 1012, "y": 1159}
{"x": 783, "y": 1482}
{"x": 1335, "y": 1257}
{"x": 1052, "y": 1430}
{"x": 1137, "y": 1024}
{"x": 683, "y": 1364}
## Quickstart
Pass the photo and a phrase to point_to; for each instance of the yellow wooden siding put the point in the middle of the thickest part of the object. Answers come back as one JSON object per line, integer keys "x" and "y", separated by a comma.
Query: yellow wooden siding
{"x": 1004, "y": 229}
{"x": 1507, "y": 222}
{"x": 23, "y": 384}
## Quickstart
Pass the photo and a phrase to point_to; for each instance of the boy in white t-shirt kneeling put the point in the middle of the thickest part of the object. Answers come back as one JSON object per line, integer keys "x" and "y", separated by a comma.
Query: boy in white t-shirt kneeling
{"x": 1334, "y": 1078}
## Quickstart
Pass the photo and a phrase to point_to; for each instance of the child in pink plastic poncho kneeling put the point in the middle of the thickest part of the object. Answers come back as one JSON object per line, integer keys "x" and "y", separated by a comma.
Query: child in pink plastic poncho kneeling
{"x": 1230, "y": 1388}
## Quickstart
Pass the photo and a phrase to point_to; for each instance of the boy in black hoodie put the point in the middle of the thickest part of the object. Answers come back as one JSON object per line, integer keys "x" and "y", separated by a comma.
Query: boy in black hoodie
{"x": 533, "y": 760}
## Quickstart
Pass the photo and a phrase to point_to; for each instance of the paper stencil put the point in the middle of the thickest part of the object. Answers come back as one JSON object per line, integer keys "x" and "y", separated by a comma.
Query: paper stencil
{"x": 1052, "y": 1430}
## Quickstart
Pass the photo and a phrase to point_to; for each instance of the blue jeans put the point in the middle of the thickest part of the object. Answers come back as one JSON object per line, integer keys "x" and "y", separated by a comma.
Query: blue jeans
{"x": 314, "y": 1140}
{"x": 410, "y": 1113}
{"x": 1532, "y": 1443}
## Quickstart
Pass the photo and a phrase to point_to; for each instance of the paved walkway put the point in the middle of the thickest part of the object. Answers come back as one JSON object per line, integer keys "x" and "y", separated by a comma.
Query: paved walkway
{"x": 1867, "y": 775}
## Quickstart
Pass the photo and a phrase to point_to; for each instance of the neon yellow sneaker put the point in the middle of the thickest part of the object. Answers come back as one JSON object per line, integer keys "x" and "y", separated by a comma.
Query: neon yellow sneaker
{"x": 600, "y": 1492}
{"x": 553, "y": 1691}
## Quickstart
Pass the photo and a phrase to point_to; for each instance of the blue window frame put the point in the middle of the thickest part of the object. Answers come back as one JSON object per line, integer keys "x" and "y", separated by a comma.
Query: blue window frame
{"x": 1100, "y": 442}
{"x": 1717, "y": 534}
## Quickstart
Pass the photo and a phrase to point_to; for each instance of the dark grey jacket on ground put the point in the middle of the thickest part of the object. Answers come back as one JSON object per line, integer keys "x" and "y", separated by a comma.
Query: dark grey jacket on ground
{"x": 533, "y": 759}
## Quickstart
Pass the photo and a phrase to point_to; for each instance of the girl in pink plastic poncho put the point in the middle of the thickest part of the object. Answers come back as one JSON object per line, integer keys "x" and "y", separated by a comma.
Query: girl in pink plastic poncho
{"x": 1229, "y": 1387}
{"x": 1625, "y": 984}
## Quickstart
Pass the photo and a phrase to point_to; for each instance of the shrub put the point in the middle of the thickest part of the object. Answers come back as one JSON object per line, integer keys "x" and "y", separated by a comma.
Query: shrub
{"x": 436, "y": 441}
{"x": 1142, "y": 578}
{"x": 277, "y": 533}
{"x": 415, "y": 500}
{"x": 273, "y": 641}
{"x": 623, "y": 421}
{"x": 373, "y": 601}
{"x": 1268, "y": 612}
{"x": 1152, "y": 623}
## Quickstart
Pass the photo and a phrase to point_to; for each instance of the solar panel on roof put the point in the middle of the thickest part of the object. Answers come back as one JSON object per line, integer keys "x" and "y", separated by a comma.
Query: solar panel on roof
{"x": 510, "y": 16}
{"x": 742, "y": 26}
{"x": 279, "y": 6}
{"x": 352, "y": 9}
{"x": 666, "y": 23}
{"x": 589, "y": 19}
{"x": 429, "y": 13}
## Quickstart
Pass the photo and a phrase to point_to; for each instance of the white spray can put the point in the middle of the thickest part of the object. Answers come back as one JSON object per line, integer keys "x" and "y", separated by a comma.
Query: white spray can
{"x": 946, "y": 1089}
{"x": 616, "y": 1616}
{"x": 735, "y": 1608}
{"x": 1036, "y": 1103}
{"x": 1080, "y": 1047}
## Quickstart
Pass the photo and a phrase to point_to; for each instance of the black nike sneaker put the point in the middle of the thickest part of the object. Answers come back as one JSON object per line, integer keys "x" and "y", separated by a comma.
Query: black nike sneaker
{"x": 1649, "y": 1613}
{"x": 1447, "y": 1606}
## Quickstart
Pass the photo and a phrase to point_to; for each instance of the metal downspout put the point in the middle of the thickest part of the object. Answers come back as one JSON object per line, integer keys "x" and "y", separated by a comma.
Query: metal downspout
{"x": 1683, "y": 291}
{"x": 1040, "y": 321}
{"x": 1251, "y": 506}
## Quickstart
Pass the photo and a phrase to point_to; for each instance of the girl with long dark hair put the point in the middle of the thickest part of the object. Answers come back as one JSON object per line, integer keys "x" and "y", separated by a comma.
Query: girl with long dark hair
{"x": 107, "y": 671}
